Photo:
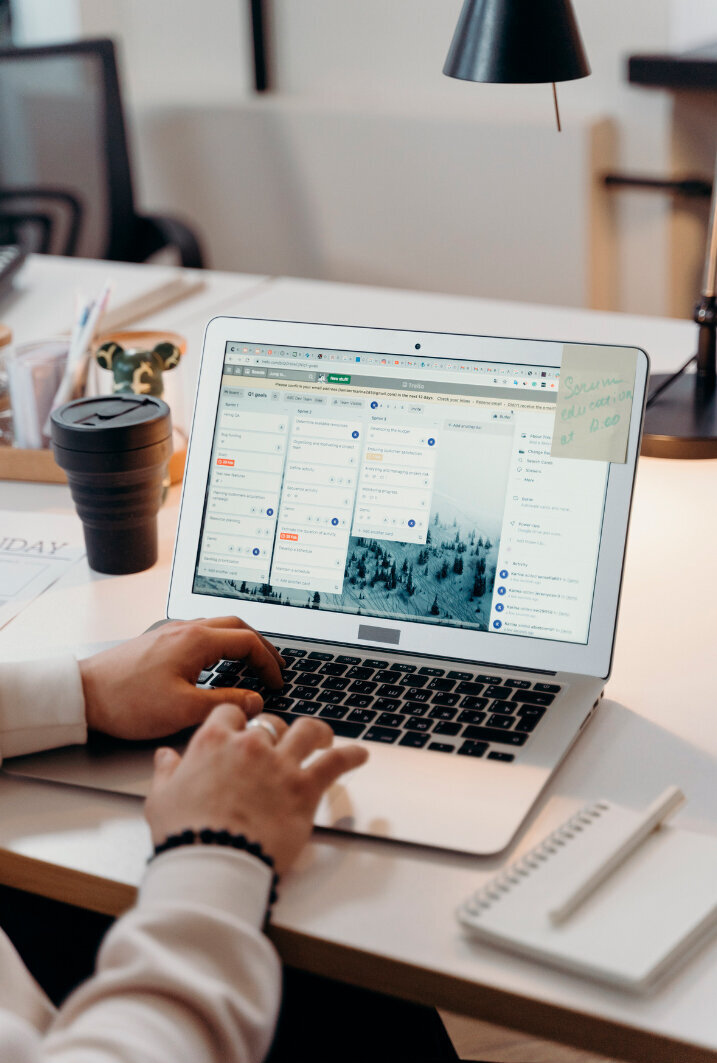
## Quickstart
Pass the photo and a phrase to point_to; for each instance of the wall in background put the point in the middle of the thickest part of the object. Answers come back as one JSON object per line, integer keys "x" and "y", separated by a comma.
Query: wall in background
{"x": 395, "y": 198}
{"x": 172, "y": 51}
{"x": 176, "y": 52}
{"x": 692, "y": 23}
{"x": 382, "y": 52}
{"x": 693, "y": 148}
{"x": 45, "y": 20}
{"x": 374, "y": 60}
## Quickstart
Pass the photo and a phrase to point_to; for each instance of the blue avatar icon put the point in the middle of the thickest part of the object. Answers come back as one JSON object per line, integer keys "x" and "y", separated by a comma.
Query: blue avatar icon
{"x": 374, "y": 405}
{"x": 354, "y": 435}
{"x": 431, "y": 442}
{"x": 255, "y": 551}
{"x": 499, "y": 607}
{"x": 504, "y": 573}
{"x": 270, "y": 512}
{"x": 335, "y": 521}
{"x": 497, "y": 624}
{"x": 412, "y": 524}
{"x": 501, "y": 590}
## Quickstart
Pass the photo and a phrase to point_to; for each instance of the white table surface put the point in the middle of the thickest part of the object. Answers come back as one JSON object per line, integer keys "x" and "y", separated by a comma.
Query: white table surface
{"x": 379, "y": 913}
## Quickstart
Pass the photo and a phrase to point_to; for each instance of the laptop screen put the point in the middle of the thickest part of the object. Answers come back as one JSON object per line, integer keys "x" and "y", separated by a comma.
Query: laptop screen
{"x": 400, "y": 487}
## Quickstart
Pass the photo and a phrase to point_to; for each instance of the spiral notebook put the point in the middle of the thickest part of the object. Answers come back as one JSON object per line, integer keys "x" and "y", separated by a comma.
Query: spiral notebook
{"x": 651, "y": 913}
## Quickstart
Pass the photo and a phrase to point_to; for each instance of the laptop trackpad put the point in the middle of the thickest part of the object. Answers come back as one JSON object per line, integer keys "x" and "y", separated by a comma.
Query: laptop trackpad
{"x": 465, "y": 806}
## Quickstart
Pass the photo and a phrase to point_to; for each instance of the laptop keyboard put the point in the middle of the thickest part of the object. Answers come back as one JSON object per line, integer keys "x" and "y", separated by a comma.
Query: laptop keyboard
{"x": 447, "y": 710}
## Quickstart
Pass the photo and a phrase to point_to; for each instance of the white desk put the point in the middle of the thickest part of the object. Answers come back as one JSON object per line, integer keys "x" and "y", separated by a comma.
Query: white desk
{"x": 380, "y": 914}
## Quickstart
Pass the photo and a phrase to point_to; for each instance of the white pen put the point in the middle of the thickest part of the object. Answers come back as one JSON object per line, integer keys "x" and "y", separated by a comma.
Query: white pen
{"x": 64, "y": 391}
{"x": 87, "y": 333}
{"x": 82, "y": 308}
{"x": 656, "y": 814}
{"x": 73, "y": 377}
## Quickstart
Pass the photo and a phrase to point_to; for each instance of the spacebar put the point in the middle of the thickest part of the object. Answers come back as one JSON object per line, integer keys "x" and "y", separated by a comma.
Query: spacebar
{"x": 339, "y": 727}
{"x": 344, "y": 729}
{"x": 494, "y": 734}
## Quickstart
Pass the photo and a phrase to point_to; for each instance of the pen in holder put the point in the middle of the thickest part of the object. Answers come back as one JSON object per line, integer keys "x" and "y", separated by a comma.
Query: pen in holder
{"x": 72, "y": 383}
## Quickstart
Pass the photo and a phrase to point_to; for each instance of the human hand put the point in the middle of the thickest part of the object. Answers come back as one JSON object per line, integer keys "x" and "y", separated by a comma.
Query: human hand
{"x": 145, "y": 688}
{"x": 238, "y": 779}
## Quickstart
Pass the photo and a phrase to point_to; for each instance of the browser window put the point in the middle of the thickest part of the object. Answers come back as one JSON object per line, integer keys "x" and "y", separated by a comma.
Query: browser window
{"x": 405, "y": 487}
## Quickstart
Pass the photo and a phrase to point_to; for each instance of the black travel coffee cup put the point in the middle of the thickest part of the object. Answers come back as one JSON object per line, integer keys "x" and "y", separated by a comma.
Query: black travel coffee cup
{"x": 114, "y": 450}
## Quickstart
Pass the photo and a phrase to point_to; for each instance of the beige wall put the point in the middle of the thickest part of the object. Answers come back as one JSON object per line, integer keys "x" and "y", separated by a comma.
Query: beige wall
{"x": 410, "y": 200}
{"x": 377, "y": 59}
{"x": 378, "y": 51}
{"x": 176, "y": 51}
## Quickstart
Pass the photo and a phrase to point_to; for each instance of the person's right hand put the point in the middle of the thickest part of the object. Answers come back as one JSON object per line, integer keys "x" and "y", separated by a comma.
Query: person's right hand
{"x": 240, "y": 780}
{"x": 145, "y": 687}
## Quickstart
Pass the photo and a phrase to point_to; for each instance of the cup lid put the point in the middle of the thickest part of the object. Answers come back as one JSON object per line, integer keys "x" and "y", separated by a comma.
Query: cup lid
{"x": 111, "y": 423}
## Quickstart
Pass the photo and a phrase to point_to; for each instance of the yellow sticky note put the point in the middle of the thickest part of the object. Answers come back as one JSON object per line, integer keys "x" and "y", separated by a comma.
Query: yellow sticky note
{"x": 595, "y": 394}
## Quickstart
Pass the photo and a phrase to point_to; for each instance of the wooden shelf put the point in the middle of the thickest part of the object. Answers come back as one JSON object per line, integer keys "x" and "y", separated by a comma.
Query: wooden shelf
{"x": 19, "y": 464}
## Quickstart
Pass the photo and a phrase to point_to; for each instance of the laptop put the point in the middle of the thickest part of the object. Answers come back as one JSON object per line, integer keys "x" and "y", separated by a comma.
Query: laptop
{"x": 431, "y": 528}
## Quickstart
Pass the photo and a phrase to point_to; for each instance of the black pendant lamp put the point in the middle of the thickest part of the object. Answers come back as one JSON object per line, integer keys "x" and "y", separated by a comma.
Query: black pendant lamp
{"x": 517, "y": 42}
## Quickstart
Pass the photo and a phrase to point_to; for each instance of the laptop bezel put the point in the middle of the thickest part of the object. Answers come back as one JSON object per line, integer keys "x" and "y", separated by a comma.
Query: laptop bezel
{"x": 592, "y": 658}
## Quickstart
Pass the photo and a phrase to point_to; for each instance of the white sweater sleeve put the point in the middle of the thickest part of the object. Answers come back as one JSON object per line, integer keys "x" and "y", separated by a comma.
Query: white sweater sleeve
{"x": 185, "y": 976}
{"x": 41, "y": 706}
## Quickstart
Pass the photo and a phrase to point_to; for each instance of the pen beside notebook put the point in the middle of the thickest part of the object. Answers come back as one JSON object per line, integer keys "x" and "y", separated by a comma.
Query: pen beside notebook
{"x": 607, "y": 896}
{"x": 655, "y": 815}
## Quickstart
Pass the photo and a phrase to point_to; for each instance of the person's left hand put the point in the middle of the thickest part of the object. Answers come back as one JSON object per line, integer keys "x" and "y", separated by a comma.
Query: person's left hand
{"x": 145, "y": 688}
{"x": 239, "y": 779}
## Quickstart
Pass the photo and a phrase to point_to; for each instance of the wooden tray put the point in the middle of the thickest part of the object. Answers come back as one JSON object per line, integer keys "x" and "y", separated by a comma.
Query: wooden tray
{"x": 40, "y": 465}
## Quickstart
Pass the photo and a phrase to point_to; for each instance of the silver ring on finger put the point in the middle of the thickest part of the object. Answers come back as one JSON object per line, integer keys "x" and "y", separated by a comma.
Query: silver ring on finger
{"x": 265, "y": 725}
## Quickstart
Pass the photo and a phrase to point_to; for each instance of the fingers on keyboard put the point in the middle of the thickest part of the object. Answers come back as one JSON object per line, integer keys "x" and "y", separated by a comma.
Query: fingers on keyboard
{"x": 398, "y": 703}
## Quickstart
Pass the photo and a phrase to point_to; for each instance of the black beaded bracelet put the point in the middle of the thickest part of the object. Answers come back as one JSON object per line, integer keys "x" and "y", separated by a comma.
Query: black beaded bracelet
{"x": 207, "y": 836}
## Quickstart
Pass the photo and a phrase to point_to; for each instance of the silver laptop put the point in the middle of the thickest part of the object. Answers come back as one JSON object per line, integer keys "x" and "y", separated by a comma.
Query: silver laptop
{"x": 431, "y": 528}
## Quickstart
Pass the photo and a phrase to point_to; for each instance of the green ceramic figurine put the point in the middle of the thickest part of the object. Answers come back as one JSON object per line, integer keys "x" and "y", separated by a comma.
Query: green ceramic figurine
{"x": 138, "y": 367}
{"x": 138, "y": 371}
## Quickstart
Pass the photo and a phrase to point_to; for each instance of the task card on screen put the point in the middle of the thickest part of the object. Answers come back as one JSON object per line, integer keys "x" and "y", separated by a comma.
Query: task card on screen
{"x": 396, "y": 483}
{"x": 592, "y": 415}
{"x": 314, "y": 520}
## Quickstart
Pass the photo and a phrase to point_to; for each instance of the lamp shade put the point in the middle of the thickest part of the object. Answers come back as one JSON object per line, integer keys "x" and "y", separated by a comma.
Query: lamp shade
{"x": 517, "y": 41}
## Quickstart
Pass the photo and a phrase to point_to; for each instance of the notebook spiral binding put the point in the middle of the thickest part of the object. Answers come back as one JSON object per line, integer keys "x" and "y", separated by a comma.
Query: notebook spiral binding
{"x": 518, "y": 872}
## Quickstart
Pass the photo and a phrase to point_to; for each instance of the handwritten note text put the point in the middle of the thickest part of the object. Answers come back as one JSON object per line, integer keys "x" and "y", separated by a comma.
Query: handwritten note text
{"x": 592, "y": 415}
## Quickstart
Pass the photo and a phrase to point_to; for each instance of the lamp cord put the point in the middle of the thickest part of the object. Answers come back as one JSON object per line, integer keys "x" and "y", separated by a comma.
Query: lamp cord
{"x": 666, "y": 383}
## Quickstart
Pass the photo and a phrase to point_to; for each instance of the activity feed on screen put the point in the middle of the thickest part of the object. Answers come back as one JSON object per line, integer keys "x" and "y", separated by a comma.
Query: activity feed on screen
{"x": 405, "y": 487}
